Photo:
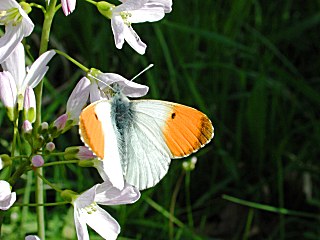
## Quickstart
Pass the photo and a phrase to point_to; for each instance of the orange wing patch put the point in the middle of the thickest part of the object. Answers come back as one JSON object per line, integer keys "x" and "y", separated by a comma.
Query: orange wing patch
{"x": 91, "y": 131}
{"x": 186, "y": 130}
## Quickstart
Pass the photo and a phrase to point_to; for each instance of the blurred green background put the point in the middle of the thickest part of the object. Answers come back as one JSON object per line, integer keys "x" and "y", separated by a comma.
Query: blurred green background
{"x": 253, "y": 67}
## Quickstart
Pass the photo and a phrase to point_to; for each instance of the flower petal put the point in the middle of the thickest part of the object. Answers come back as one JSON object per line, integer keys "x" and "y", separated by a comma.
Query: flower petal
{"x": 6, "y": 197}
{"x": 80, "y": 224}
{"x": 5, "y": 5}
{"x": 27, "y": 25}
{"x": 134, "y": 40}
{"x": 78, "y": 98}
{"x": 102, "y": 222}
{"x": 106, "y": 194}
{"x": 5, "y": 190}
{"x": 150, "y": 12}
{"x": 8, "y": 90}
{"x": 15, "y": 64}
{"x": 68, "y": 6}
{"x": 95, "y": 93}
{"x": 32, "y": 237}
{"x": 86, "y": 198}
{"x": 130, "y": 5}
{"x": 118, "y": 26}
{"x": 38, "y": 69}
{"x": 167, "y": 4}
{"x": 128, "y": 88}
{"x": 13, "y": 35}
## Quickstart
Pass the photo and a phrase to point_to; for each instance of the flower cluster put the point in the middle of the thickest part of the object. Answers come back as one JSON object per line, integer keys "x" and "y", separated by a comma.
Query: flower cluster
{"x": 17, "y": 83}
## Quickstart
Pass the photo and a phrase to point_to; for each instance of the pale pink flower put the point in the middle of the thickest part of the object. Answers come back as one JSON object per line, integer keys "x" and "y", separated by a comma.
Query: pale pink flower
{"x": 87, "y": 211}
{"x": 7, "y": 198}
{"x": 17, "y": 25}
{"x": 136, "y": 11}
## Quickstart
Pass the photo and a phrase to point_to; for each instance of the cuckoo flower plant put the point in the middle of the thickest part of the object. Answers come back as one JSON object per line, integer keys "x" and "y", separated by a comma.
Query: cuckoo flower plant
{"x": 14, "y": 17}
{"x": 16, "y": 79}
{"x": 133, "y": 11}
{"x": 87, "y": 211}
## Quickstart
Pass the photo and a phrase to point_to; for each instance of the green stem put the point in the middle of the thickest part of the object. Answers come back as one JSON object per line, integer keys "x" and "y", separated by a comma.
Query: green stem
{"x": 173, "y": 204}
{"x": 26, "y": 199}
{"x": 1, "y": 219}
{"x": 48, "y": 18}
{"x": 21, "y": 170}
{"x": 55, "y": 154}
{"x": 47, "y": 182}
{"x": 270, "y": 208}
{"x": 93, "y": 2}
{"x": 188, "y": 199}
{"x": 19, "y": 157}
{"x": 78, "y": 64}
{"x": 59, "y": 163}
{"x": 14, "y": 141}
{"x": 38, "y": 6}
{"x": 44, "y": 204}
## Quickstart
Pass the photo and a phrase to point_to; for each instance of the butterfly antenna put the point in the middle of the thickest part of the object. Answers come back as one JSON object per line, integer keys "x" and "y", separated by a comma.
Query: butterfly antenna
{"x": 147, "y": 68}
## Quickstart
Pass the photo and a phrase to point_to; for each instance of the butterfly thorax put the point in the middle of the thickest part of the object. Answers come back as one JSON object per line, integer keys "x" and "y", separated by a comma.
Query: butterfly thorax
{"x": 120, "y": 107}
{"x": 122, "y": 118}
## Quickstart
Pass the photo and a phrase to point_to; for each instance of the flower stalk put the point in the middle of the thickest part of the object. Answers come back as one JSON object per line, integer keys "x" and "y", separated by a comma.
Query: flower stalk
{"x": 48, "y": 18}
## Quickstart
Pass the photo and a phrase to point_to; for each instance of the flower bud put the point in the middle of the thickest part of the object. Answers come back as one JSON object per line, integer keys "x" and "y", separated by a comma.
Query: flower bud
{"x": 26, "y": 127}
{"x": 37, "y": 161}
{"x": 60, "y": 122}
{"x": 26, "y": 7}
{"x": 5, "y": 160}
{"x": 189, "y": 164}
{"x": 8, "y": 94}
{"x": 69, "y": 195}
{"x": 44, "y": 126}
{"x": 105, "y": 8}
{"x": 86, "y": 163}
{"x": 50, "y": 146}
{"x": 29, "y": 105}
{"x": 80, "y": 153}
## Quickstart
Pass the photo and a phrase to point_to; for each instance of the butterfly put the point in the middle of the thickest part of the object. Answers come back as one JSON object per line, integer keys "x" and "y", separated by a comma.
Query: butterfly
{"x": 136, "y": 139}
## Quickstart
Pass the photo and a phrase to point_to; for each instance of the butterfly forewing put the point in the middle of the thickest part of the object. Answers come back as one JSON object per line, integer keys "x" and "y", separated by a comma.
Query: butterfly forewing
{"x": 184, "y": 129}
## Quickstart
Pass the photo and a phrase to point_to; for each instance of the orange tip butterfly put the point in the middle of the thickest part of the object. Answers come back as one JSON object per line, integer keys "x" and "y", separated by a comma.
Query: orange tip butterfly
{"x": 136, "y": 139}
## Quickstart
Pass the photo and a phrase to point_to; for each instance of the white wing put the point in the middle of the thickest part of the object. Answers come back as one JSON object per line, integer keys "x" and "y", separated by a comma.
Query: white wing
{"x": 147, "y": 153}
{"x": 160, "y": 131}
{"x": 111, "y": 161}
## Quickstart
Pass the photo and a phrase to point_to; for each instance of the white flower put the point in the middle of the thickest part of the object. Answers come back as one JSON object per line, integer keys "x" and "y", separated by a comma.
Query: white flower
{"x": 68, "y": 6}
{"x": 136, "y": 11}
{"x": 32, "y": 237}
{"x": 87, "y": 211}
{"x": 78, "y": 98}
{"x": 15, "y": 77}
{"x": 101, "y": 84}
{"x": 17, "y": 25}
{"x": 7, "y": 198}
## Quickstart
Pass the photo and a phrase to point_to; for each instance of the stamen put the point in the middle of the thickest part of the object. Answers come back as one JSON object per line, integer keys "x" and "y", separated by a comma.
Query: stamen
{"x": 11, "y": 16}
{"x": 125, "y": 16}
{"x": 91, "y": 208}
